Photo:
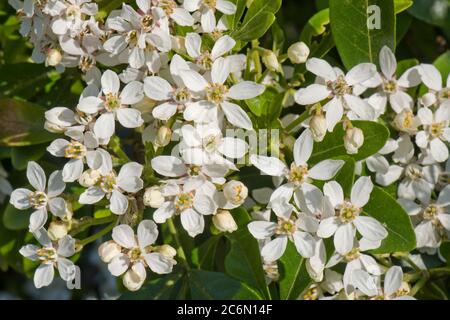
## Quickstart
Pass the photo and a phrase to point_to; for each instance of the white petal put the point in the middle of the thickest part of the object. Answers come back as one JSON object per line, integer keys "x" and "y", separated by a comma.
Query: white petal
{"x": 220, "y": 71}
{"x": 393, "y": 280}
{"x": 66, "y": 246}
{"x": 132, "y": 93}
{"x": 261, "y": 229}
{"x": 204, "y": 205}
{"x": 388, "y": 63}
{"x": 269, "y": 165}
{"x": 321, "y": 68}
{"x": 193, "y": 44}
{"x": 91, "y": 195}
{"x": 334, "y": 192}
{"x": 37, "y": 220}
{"x": 327, "y": 227}
{"x": 439, "y": 150}
{"x": 110, "y": 82}
{"x": 119, "y": 265}
{"x": 118, "y": 203}
{"x": 343, "y": 238}
{"x": 157, "y": 88}
{"x": 311, "y": 94}
{"x": 236, "y": 116}
{"x": 360, "y": 73}
{"x": 273, "y": 250}
{"x": 334, "y": 114}
{"x": 104, "y": 127}
{"x": 20, "y": 198}
{"x": 72, "y": 170}
{"x": 56, "y": 184}
{"x": 192, "y": 222}
{"x": 326, "y": 169}
{"x": 36, "y": 176}
{"x": 431, "y": 76}
{"x": 164, "y": 212}
{"x": 147, "y": 233}
{"x": 303, "y": 148}
{"x": 361, "y": 191}
{"x": 246, "y": 90}
{"x": 193, "y": 80}
{"x": 305, "y": 244}
{"x": 43, "y": 276}
{"x": 222, "y": 46}
{"x": 158, "y": 263}
{"x": 129, "y": 117}
{"x": 58, "y": 207}
{"x": 370, "y": 228}
{"x": 124, "y": 236}
{"x": 169, "y": 166}
{"x": 233, "y": 148}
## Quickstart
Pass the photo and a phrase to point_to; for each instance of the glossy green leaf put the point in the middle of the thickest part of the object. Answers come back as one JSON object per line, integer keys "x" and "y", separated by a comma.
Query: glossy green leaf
{"x": 204, "y": 255}
{"x": 14, "y": 219}
{"x": 384, "y": 208}
{"x": 22, "y": 124}
{"x": 316, "y": 26}
{"x": 22, "y": 155}
{"x": 375, "y": 136}
{"x": 435, "y": 12}
{"x": 346, "y": 175}
{"x": 165, "y": 288}
{"x": 445, "y": 251}
{"x": 442, "y": 63}
{"x": 244, "y": 263}
{"x": 258, "y": 19}
{"x": 294, "y": 278}
{"x": 402, "y": 5}
{"x": 361, "y": 28}
{"x": 205, "y": 285}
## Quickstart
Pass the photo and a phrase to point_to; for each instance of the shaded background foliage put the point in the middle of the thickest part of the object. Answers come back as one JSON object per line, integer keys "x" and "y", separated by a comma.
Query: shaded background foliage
{"x": 423, "y": 32}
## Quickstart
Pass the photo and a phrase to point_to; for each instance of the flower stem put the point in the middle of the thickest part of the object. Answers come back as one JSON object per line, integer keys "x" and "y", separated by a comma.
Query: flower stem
{"x": 99, "y": 234}
{"x": 180, "y": 250}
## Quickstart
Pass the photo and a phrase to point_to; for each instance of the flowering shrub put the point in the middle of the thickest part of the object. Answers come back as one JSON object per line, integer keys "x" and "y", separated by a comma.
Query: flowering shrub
{"x": 204, "y": 155}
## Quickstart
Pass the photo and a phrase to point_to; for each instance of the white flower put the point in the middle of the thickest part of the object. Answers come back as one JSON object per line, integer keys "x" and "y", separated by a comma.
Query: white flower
{"x": 340, "y": 88}
{"x": 407, "y": 122}
{"x": 348, "y": 217}
{"x": 434, "y": 219}
{"x": 208, "y": 9}
{"x": 69, "y": 15}
{"x": 205, "y": 144}
{"x": 394, "y": 288}
{"x": 114, "y": 186}
{"x": 191, "y": 201}
{"x": 113, "y": 105}
{"x": 216, "y": 94}
{"x": 299, "y": 172}
{"x": 436, "y": 131}
{"x": 205, "y": 59}
{"x": 294, "y": 227}
{"x": 173, "y": 98}
{"x": 393, "y": 89}
{"x": 51, "y": 255}
{"x": 129, "y": 255}
{"x": 169, "y": 8}
{"x": 83, "y": 147}
{"x": 356, "y": 260}
{"x": 432, "y": 78}
{"x": 298, "y": 52}
{"x": 138, "y": 31}
{"x": 43, "y": 198}
{"x": 153, "y": 197}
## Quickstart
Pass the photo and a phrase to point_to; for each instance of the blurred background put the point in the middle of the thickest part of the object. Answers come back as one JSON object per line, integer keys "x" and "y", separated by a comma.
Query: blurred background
{"x": 423, "y": 33}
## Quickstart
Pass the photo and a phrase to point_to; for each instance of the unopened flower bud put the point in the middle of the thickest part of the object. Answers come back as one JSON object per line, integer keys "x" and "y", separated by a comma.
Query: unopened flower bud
{"x": 298, "y": 52}
{"x": 108, "y": 250}
{"x": 353, "y": 140}
{"x": 235, "y": 192}
{"x": 163, "y": 136}
{"x": 270, "y": 60}
{"x": 167, "y": 251}
{"x": 318, "y": 126}
{"x": 57, "y": 230}
{"x": 153, "y": 197}
{"x": 133, "y": 279}
{"x": 89, "y": 178}
{"x": 224, "y": 221}
{"x": 54, "y": 58}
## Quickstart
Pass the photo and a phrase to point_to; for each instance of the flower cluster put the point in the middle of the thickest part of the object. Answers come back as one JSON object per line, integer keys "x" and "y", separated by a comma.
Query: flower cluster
{"x": 176, "y": 94}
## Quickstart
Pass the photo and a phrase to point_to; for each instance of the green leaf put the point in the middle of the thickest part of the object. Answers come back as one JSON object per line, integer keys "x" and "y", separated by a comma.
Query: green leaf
{"x": 258, "y": 19}
{"x": 357, "y": 36}
{"x": 256, "y": 28}
{"x": 268, "y": 105}
{"x": 14, "y": 219}
{"x": 22, "y": 79}
{"x": 294, "y": 278}
{"x": 375, "y": 136}
{"x": 165, "y": 288}
{"x": 402, "y": 5}
{"x": 203, "y": 256}
{"x": 21, "y": 156}
{"x": 244, "y": 263}
{"x": 346, "y": 175}
{"x": 316, "y": 26}
{"x": 442, "y": 63}
{"x": 435, "y": 12}
{"x": 445, "y": 251}
{"x": 206, "y": 285}
{"x": 234, "y": 19}
{"x": 389, "y": 212}
{"x": 22, "y": 124}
